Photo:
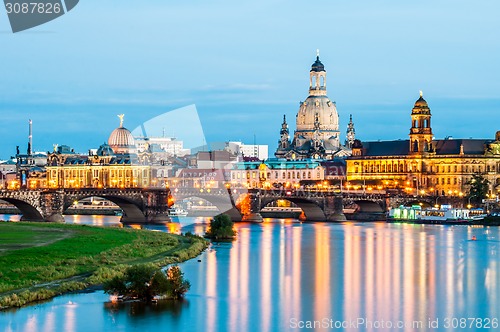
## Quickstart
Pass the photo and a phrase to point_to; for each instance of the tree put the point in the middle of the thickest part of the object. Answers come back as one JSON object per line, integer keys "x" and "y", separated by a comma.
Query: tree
{"x": 178, "y": 285}
{"x": 478, "y": 189}
{"x": 147, "y": 281}
{"x": 221, "y": 227}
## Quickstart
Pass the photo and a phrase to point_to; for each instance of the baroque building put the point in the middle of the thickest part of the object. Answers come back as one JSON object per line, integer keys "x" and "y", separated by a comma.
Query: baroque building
{"x": 422, "y": 164}
{"x": 317, "y": 134}
{"x": 114, "y": 165}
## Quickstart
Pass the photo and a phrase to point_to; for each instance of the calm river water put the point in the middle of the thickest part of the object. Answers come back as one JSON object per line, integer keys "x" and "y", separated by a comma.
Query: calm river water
{"x": 282, "y": 275}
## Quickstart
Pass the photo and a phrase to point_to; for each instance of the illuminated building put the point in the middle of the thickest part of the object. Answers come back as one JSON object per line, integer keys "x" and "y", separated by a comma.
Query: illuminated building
{"x": 422, "y": 164}
{"x": 276, "y": 173}
{"x": 113, "y": 165}
{"x": 317, "y": 134}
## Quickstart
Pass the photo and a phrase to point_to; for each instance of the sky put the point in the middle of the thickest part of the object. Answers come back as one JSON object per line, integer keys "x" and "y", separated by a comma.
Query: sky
{"x": 244, "y": 64}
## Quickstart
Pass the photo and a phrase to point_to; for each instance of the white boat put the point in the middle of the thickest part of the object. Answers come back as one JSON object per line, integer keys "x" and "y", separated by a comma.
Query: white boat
{"x": 444, "y": 215}
{"x": 177, "y": 212}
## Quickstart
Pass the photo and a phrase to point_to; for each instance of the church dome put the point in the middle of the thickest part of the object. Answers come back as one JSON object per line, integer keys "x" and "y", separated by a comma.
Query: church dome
{"x": 121, "y": 139}
{"x": 421, "y": 102}
{"x": 317, "y": 65}
{"x": 105, "y": 150}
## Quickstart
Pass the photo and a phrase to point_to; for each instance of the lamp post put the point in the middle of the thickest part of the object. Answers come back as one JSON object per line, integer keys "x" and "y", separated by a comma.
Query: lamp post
{"x": 468, "y": 203}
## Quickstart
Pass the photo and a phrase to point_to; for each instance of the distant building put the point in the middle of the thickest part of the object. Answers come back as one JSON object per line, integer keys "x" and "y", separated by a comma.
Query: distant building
{"x": 276, "y": 173}
{"x": 259, "y": 151}
{"x": 211, "y": 159}
{"x": 423, "y": 164}
{"x": 317, "y": 134}
{"x": 168, "y": 145}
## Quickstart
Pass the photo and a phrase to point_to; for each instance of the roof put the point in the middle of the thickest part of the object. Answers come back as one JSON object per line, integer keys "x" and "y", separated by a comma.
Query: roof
{"x": 452, "y": 146}
{"x": 215, "y": 156}
{"x": 441, "y": 147}
{"x": 386, "y": 148}
{"x": 279, "y": 164}
{"x": 317, "y": 65}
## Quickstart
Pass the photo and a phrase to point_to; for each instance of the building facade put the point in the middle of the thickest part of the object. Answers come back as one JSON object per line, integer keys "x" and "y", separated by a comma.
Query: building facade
{"x": 317, "y": 134}
{"x": 114, "y": 165}
{"x": 422, "y": 164}
{"x": 276, "y": 174}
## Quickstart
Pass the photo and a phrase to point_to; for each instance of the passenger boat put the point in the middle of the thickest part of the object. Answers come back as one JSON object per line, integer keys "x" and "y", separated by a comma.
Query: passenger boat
{"x": 415, "y": 214}
{"x": 177, "y": 212}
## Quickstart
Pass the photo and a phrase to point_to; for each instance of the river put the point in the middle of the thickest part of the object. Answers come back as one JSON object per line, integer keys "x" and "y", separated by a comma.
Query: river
{"x": 282, "y": 274}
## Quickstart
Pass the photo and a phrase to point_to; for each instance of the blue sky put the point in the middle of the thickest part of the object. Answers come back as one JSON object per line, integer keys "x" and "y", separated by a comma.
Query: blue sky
{"x": 245, "y": 64}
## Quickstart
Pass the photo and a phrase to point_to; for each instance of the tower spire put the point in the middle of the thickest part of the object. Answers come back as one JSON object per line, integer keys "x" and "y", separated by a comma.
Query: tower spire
{"x": 350, "y": 134}
{"x": 30, "y": 138}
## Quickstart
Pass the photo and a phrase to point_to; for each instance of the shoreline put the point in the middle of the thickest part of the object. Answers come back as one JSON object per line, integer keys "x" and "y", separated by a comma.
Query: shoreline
{"x": 160, "y": 249}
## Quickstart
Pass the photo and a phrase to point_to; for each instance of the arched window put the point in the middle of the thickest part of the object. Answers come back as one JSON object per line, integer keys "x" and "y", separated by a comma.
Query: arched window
{"x": 415, "y": 146}
{"x": 322, "y": 81}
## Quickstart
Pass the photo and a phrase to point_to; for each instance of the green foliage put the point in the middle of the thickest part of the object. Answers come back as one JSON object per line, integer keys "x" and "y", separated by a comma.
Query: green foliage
{"x": 178, "y": 285}
{"x": 89, "y": 255}
{"x": 221, "y": 227}
{"x": 147, "y": 281}
{"x": 478, "y": 188}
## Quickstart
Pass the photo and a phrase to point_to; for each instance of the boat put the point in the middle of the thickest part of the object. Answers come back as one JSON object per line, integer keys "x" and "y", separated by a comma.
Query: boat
{"x": 177, "y": 212}
{"x": 444, "y": 215}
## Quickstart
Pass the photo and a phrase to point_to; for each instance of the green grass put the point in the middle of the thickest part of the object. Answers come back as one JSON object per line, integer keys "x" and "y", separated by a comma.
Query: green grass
{"x": 37, "y": 259}
{"x": 14, "y": 236}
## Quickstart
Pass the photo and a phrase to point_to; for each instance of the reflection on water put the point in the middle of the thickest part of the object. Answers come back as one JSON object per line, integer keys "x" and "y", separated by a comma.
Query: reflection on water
{"x": 279, "y": 273}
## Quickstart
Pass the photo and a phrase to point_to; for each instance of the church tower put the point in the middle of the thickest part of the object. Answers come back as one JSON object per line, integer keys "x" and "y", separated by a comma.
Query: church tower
{"x": 317, "y": 134}
{"x": 284, "y": 142}
{"x": 350, "y": 134}
{"x": 421, "y": 131}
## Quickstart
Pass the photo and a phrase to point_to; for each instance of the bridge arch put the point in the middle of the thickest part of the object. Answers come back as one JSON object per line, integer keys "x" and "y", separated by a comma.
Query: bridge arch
{"x": 368, "y": 206}
{"x": 28, "y": 211}
{"x": 221, "y": 201}
{"x": 312, "y": 211}
{"x": 131, "y": 211}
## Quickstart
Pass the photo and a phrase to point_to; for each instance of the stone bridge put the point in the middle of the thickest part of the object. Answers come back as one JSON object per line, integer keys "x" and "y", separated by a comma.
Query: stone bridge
{"x": 317, "y": 205}
{"x": 138, "y": 205}
{"x": 224, "y": 199}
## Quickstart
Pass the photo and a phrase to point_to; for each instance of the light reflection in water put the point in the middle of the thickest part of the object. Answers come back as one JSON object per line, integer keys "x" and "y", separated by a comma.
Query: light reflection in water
{"x": 277, "y": 271}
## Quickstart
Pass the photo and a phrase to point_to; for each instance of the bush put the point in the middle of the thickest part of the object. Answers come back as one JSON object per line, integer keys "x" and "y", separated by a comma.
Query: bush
{"x": 147, "y": 281}
{"x": 221, "y": 227}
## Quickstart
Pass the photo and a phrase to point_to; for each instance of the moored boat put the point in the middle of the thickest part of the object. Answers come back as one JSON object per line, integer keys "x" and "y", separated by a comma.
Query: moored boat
{"x": 444, "y": 215}
{"x": 177, "y": 212}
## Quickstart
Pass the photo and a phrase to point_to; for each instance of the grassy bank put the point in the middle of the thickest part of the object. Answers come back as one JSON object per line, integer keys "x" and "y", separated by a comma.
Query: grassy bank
{"x": 39, "y": 261}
